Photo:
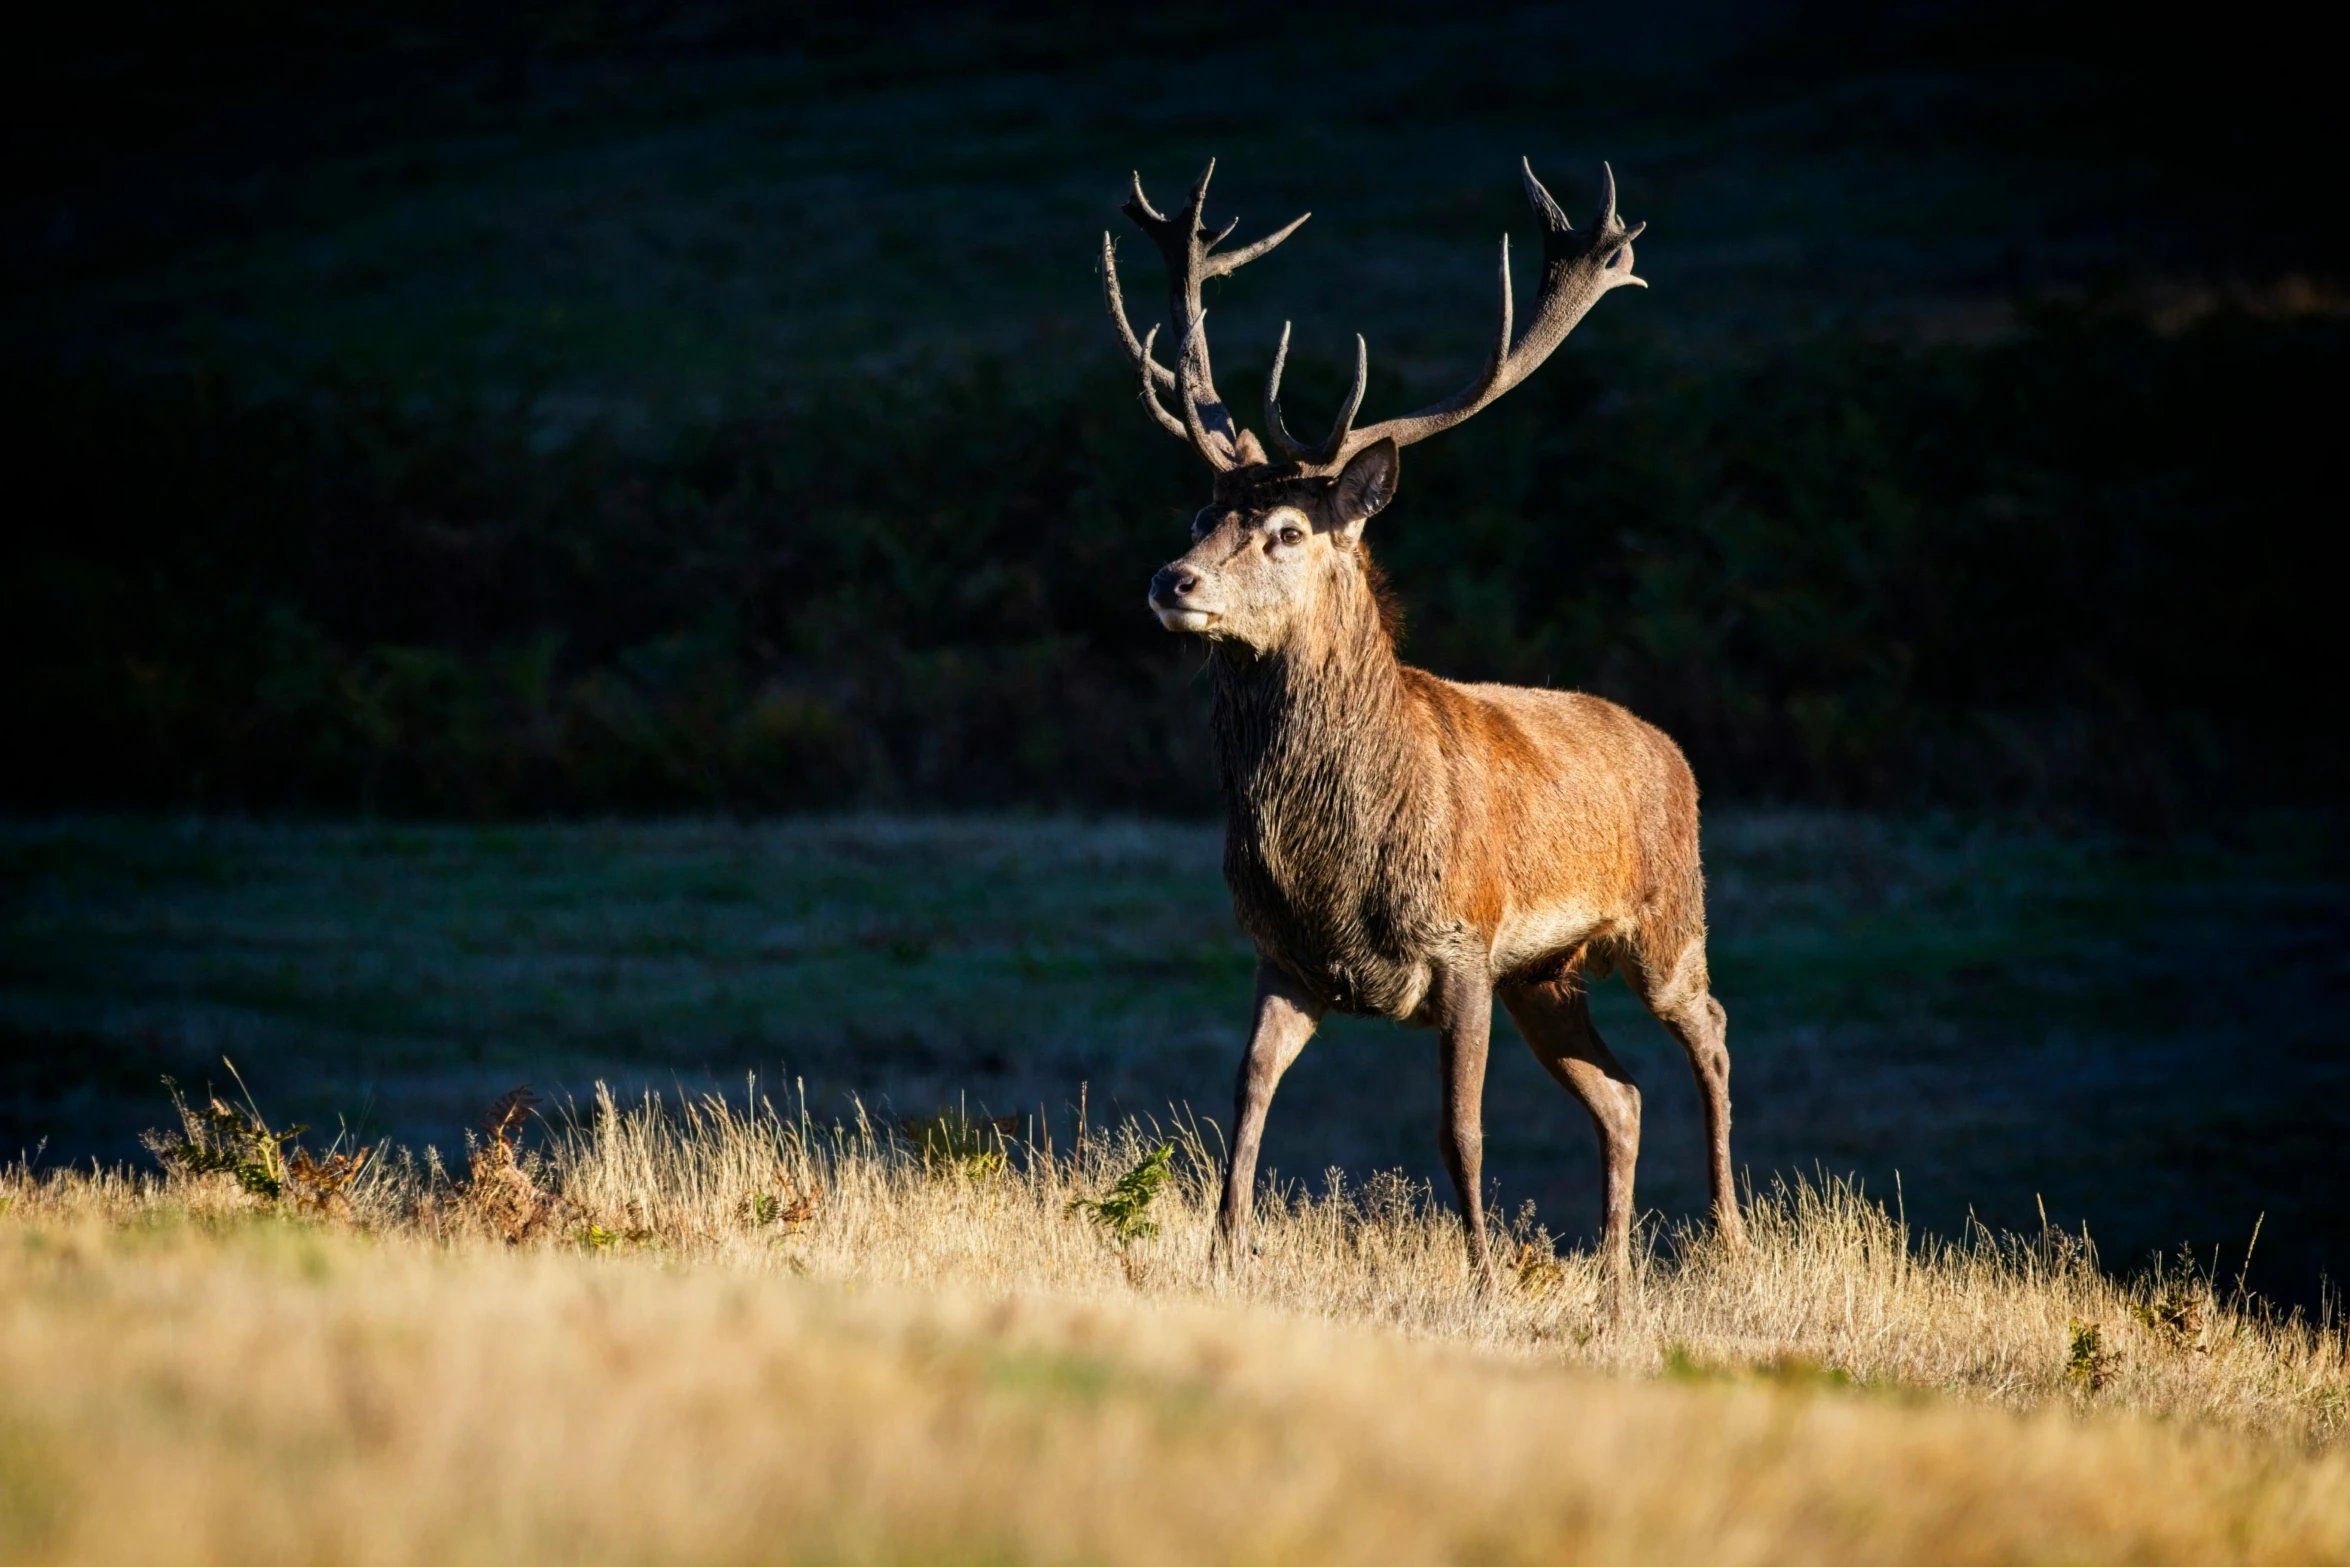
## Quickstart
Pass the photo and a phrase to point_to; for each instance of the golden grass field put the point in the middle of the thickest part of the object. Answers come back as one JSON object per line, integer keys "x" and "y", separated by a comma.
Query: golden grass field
{"x": 721, "y": 1336}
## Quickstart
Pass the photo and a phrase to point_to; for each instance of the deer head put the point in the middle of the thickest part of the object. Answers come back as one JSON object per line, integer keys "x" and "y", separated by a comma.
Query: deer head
{"x": 1279, "y": 536}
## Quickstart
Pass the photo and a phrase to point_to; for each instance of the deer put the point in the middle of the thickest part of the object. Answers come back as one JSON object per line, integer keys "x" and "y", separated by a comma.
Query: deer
{"x": 1399, "y": 845}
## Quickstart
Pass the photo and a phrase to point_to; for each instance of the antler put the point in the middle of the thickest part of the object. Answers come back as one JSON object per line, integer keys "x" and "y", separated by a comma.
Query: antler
{"x": 1186, "y": 246}
{"x": 1577, "y": 269}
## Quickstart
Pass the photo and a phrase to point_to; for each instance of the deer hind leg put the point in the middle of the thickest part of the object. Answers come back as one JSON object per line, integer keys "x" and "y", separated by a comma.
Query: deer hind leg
{"x": 1285, "y": 1020}
{"x": 1555, "y": 1018}
{"x": 1678, "y": 992}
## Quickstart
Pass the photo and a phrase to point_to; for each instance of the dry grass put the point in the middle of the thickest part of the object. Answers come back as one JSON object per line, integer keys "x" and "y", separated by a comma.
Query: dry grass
{"x": 728, "y": 1336}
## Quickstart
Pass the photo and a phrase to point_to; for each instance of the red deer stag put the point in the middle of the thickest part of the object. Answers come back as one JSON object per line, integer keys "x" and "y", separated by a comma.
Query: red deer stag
{"x": 1399, "y": 845}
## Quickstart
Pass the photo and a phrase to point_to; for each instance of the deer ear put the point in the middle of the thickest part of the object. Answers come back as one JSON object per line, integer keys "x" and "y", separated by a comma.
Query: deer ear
{"x": 1365, "y": 486}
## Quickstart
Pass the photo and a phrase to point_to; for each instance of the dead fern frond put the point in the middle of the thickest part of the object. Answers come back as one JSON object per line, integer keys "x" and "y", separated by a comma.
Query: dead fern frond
{"x": 502, "y": 1121}
{"x": 320, "y": 1188}
{"x": 762, "y": 1209}
{"x": 499, "y": 1195}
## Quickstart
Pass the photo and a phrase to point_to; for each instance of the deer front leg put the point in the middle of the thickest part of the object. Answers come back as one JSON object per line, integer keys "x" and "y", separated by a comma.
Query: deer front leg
{"x": 1285, "y": 1020}
{"x": 1464, "y": 1021}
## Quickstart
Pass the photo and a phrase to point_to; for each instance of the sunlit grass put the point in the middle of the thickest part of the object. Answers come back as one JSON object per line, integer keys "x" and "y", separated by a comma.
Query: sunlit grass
{"x": 717, "y": 1336}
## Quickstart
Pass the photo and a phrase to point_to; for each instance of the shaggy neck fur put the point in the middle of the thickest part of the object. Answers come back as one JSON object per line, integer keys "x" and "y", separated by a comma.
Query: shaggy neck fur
{"x": 1327, "y": 811}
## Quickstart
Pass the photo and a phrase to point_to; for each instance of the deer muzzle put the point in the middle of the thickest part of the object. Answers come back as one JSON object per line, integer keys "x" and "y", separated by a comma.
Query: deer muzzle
{"x": 1175, "y": 599}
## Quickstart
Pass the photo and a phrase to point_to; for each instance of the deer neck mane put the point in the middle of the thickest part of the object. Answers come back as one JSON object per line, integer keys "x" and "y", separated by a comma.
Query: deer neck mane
{"x": 1320, "y": 774}
{"x": 1316, "y": 710}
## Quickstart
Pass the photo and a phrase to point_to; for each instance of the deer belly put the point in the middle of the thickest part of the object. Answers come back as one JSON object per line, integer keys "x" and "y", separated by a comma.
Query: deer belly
{"x": 1533, "y": 939}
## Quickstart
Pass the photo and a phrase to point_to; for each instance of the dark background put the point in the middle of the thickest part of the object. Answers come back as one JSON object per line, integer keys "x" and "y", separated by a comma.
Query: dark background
{"x": 424, "y": 413}
{"x": 484, "y": 412}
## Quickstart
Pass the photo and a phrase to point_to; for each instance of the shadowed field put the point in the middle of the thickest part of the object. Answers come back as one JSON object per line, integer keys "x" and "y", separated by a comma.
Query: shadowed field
{"x": 649, "y": 235}
{"x": 2146, "y": 1041}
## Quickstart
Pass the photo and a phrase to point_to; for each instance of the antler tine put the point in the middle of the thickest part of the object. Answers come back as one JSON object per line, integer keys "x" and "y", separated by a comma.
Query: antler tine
{"x": 1576, "y": 270}
{"x": 1198, "y": 199}
{"x": 1612, "y": 226}
{"x": 1497, "y": 363}
{"x": 1501, "y": 340}
{"x": 1273, "y": 424}
{"x": 1353, "y": 404}
{"x": 1151, "y": 369}
{"x": 1233, "y": 261}
{"x": 1552, "y": 216}
{"x": 1115, "y": 299}
{"x": 1627, "y": 232}
{"x": 1141, "y": 202}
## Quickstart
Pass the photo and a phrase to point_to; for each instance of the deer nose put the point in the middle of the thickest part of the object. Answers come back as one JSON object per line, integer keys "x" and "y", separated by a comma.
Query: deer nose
{"x": 1172, "y": 583}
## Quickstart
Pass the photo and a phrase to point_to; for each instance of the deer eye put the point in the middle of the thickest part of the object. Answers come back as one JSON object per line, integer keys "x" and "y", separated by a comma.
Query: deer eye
{"x": 1291, "y": 536}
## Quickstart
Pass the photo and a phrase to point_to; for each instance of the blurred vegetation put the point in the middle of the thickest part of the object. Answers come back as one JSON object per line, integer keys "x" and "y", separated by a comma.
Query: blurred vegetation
{"x": 2064, "y": 570}
{"x": 577, "y": 407}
